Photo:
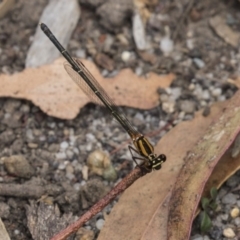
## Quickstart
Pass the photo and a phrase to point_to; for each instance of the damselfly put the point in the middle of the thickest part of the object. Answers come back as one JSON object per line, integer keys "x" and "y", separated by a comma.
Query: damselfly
{"x": 85, "y": 80}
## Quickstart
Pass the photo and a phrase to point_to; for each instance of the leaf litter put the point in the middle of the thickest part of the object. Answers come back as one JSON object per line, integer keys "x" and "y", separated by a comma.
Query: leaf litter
{"x": 50, "y": 88}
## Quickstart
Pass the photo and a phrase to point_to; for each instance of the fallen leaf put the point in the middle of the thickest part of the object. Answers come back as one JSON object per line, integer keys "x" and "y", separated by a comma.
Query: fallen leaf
{"x": 3, "y": 231}
{"x": 143, "y": 210}
{"x": 199, "y": 164}
{"x": 219, "y": 25}
{"x": 50, "y": 88}
{"x": 225, "y": 168}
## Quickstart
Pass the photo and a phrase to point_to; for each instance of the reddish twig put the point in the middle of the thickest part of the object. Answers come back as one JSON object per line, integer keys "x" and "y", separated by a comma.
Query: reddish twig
{"x": 119, "y": 188}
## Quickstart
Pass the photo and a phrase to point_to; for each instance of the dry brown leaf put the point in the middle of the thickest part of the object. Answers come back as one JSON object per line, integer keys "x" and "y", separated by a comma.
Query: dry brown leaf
{"x": 50, "y": 88}
{"x": 198, "y": 167}
{"x": 218, "y": 23}
{"x": 142, "y": 211}
{"x": 225, "y": 168}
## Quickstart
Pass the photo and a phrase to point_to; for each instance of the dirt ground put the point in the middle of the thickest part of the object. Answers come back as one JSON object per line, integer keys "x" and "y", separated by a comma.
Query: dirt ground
{"x": 203, "y": 56}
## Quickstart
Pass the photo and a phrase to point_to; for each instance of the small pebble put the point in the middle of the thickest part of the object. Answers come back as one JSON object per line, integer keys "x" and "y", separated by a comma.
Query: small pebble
{"x": 190, "y": 43}
{"x": 32, "y": 145}
{"x": 4, "y": 210}
{"x": 76, "y": 151}
{"x": 25, "y": 108}
{"x": 138, "y": 71}
{"x": 100, "y": 223}
{"x": 198, "y": 62}
{"x": 85, "y": 172}
{"x": 90, "y": 137}
{"x": 229, "y": 233}
{"x": 205, "y": 95}
{"x": 164, "y": 97}
{"x": 206, "y": 237}
{"x": 51, "y": 125}
{"x": 88, "y": 147}
{"x": 187, "y": 106}
{"x": 85, "y": 234}
{"x": 168, "y": 107}
{"x": 197, "y": 237}
{"x": 18, "y": 165}
{"x": 61, "y": 155}
{"x": 36, "y": 132}
{"x": 224, "y": 217}
{"x": 235, "y": 212}
{"x": 176, "y": 92}
{"x": 126, "y": 56}
{"x": 64, "y": 145}
{"x": 233, "y": 180}
{"x": 229, "y": 199}
{"x": 191, "y": 86}
{"x": 221, "y": 98}
{"x": 217, "y": 92}
{"x": 29, "y": 134}
{"x": 70, "y": 176}
{"x": 166, "y": 45}
{"x": 80, "y": 53}
{"x": 77, "y": 186}
{"x": 69, "y": 154}
{"x": 237, "y": 221}
{"x": 16, "y": 232}
{"x": 61, "y": 166}
{"x": 69, "y": 168}
{"x": 206, "y": 111}
{"x": 42, "y": 138}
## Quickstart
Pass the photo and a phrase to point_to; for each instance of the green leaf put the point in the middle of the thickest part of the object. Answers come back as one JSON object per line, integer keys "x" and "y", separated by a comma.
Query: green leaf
{"x": 213, "y": 205}
{"x": 213, "y": 193}
{"x": 205, "y": 202}
{"x": 206, "y": 222}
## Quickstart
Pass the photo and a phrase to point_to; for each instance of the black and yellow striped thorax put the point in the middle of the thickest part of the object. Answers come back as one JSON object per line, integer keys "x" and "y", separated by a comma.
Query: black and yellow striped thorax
{"x": 143, "y": 146}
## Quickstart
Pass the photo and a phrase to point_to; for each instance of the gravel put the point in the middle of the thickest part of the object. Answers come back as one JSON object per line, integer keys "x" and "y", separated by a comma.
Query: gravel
{"x": 205, "y": 67}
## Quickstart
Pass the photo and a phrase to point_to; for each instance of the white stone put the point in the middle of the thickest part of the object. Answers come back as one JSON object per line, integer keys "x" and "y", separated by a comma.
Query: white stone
{"x": 100, "y": 223}
{"x": 64, "y": 145}
{"x": 139, "y": 32}
{"x": 42, "y": 51}
{"x": 166, "y": 45}
{"x": 216, "y": 92}
{"x": 229, "y": 233}
{"x": 126, "y": 55}
{"x": 61, "y": 155}
{"x": 168, "y": 107}
{"x": 199, "y": 63}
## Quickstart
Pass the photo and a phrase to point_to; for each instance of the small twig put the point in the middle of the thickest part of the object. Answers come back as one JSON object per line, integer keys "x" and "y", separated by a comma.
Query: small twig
{"x": 182, "y": 19}
{"x": 29, "y": 190}
{"x": 119, "y": 188}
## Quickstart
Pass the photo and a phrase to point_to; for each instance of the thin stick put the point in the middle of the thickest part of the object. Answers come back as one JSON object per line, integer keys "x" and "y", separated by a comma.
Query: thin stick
{"x": 119, "y": 188}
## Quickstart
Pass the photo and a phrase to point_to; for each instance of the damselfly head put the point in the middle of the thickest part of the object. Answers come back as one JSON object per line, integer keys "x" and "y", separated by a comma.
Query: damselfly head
{"x": 157, "y": 161}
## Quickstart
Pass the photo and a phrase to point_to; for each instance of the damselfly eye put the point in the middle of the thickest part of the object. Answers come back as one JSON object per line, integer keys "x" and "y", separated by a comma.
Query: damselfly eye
{"x": 162, "y": 157}
{"x": 158, "y": 167}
